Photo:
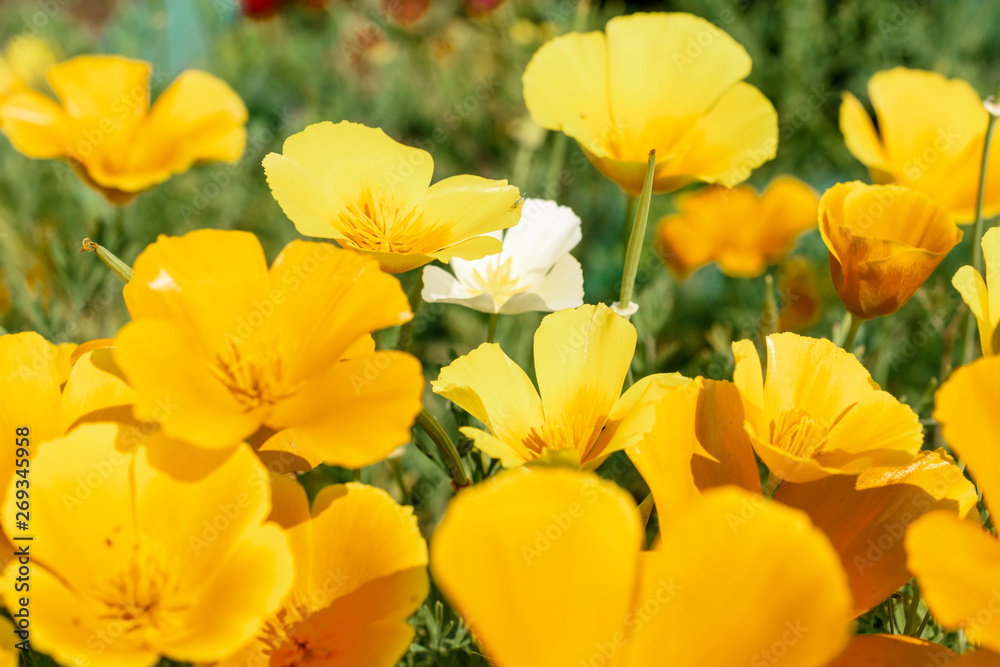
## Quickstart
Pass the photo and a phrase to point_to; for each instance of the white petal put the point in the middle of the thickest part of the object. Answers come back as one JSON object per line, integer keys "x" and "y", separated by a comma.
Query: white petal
{"x": 546, "y": 232}
{"x": 442, "y": 287}
{"x": 562, "y": 288}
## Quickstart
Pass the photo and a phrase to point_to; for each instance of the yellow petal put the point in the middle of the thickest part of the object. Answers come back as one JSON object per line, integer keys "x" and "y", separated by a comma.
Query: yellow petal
{"x": 36, "y": 125}
{"x": 738, "y": 135}
{"x": 63, "y": 626}
{"x": 958, "y": 567}
{"x": 348, "y": 158}
{"x": 208, "y": 280}
{"x": 493, "y": 389}
{"x": 634, "y": 416}
{"x": 651, "y": 58}
{"x": 325, "y": 299}
{"x": 866, "y": 517}
{"x": 356, "y": 413}
{"x": 965, "y": 406}
{"x": 96, "y": 391}
{"x": 991, "y": 254}
{"x": 29, "y": 391}
{"x": 581, "y": 359}
{"x": 301, "y": 196}
{"x": 860, "y": 135}
{"x": 565, "y": 88}
{"x": 767, "y": 578}
{"x": 511, "y": 553}
{"x": 897, "y": 650}
{"x": 698, "y": 443}
{"x": 177, "y": 388}
{"x": 93, "y": 87}
{"x": 972, "y": 287}
{"x": 77, "y": 533}
{"x": 467, "y": 206}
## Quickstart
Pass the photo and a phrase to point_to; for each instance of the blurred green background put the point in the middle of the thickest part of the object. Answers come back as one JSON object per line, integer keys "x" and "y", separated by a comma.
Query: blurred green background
{"x": 450, "y": 83}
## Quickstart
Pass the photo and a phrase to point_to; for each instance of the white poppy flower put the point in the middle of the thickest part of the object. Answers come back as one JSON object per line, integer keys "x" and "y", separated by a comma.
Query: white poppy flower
{"x": 533, "y": 272}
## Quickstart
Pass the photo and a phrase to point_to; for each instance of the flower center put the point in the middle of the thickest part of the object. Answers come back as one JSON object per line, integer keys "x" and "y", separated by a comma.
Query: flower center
{"x": 799, "y": 433}
{"x": 496, "y": 279}
{"x": 375, "y": 221}
{"x": 142, "y": 596}
{"x": 253, "y": 374}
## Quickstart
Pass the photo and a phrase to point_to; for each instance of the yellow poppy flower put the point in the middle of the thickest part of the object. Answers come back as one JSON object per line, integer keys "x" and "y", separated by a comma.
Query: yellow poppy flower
{"x": 355, "y": 185}
{"x": 130, "y": 563}
{"x": 819, "y": 412}
{"x": 581, "y": 359}
{"x": 361, "y": 571}
{"x": 221, "y": 349}
{"x": 884, "y": 242}
{"x": 930, "y": 138}
{"x": 956, "y": 562}
{"x": 983, "y": 297}
{"x": 23, "y": 63}
{"x": 540, "y": 533}
{"x": 699, "y": 443}
{"x": 104, "y": 125}
{"x": 669, "y": 82}
{"x": 737, "y": 228}
{"x": 882, "y": 650}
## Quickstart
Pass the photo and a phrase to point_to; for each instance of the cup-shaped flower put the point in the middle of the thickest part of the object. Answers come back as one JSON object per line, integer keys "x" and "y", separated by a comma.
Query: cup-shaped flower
{"x": 176, "y": 565}
{"x": 23, "y": 63}
{"x": 666, "y": 82}
{"x": 355, "y": 185}
{"x": 930, "y": 137}
{"x": 535, "y": 270}
{"x": 983, "y": 296}
{"x": 735, "y": 227}
{"x": 104, "y": 125}
{"x": 956, "y": 562}
{"x": 360, "y": 572}
{"x": 884, "y": 242}
{"x": 819, "y": 412}
{"x": 221, "y": 349}
{"x": 581, "y": 359}
{"x": 540, "y": 533}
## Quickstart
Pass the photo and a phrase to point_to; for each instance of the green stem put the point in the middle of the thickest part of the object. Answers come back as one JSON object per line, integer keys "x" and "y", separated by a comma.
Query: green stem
{"x": 923, "y": 624}
{"x": 555, "y": 166}
{"x": 356, "y": 475}
{"x": 118, "y": 267}
{"x": 631, "y": 206}
{"x": 969, "y": 349}
{"x": 638, "y": 235}
{"x": 433, "y": 429}
{"x": 491, "y": 333}
{"x": 912, "y": 620}
{"x": 852, "y": 332}
{"x": 406, "y": 331}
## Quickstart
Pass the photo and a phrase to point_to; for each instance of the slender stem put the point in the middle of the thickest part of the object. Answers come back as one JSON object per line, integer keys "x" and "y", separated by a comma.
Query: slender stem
{"x": 406, "y": 331}
{"x": 911, "y": 612}
{"x": 631, "y": 204}
{"x": 118, "y": 267}
{"x": 969, "y": 349}
{"x": 433, "y": 429}
{"x": 852, "y": 332}
{"x": 491, "y": 333}
{"x": 555, "y": 166}
{"x": 638, "y": 235}
{"x": 356, "y": 475}
{"x": 923, "y": 624}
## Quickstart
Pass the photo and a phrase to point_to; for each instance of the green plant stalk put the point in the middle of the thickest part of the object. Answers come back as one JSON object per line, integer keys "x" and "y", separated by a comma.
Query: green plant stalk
{"x": 912, "y": 620}
{"x": 491, "y": 332}
{"x": 433, "y": 429}
{"x": 969, "y": 348}
{"x": 118, "y": 267}
{"x": 638, "y": 235}
{"x": 852, "y": 332}
{"x": 406, "y": 331}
